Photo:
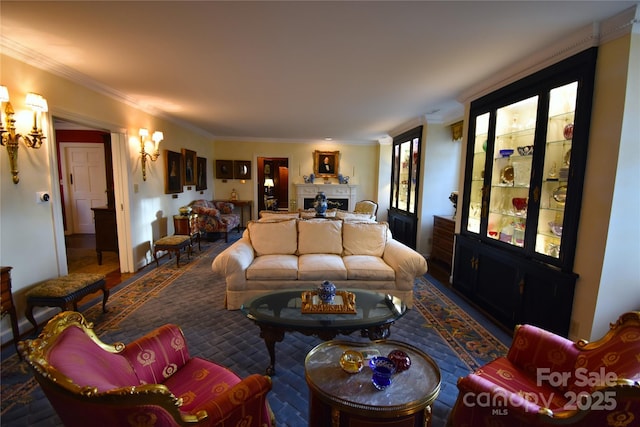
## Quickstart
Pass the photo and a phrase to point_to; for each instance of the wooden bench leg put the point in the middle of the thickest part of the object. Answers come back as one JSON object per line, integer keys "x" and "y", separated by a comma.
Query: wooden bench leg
{"x": 105, "y": 297}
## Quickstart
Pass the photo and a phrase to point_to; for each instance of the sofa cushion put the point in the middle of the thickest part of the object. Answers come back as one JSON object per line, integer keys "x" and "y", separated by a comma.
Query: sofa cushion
{"x": 273, "y": 238}
{"x": 321, "y": 267}
{"x": 367, "y": 267}
{"x": 268, "y": 216}
{"x": 320, "y": 236}
{"x": 355, "y": 216}
{"x": 364, "y": 238}
{"x": 273, "y": 267}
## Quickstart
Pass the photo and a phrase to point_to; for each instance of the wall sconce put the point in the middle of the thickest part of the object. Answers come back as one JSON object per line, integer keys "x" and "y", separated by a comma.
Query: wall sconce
{"x": 156, "y": 138}
{"x": 10, "y": 138}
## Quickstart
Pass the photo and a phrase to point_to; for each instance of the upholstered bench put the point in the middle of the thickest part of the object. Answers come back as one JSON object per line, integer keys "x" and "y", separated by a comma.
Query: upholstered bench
{"x": 65, "y": 292}
{"x": 170, "y": 244}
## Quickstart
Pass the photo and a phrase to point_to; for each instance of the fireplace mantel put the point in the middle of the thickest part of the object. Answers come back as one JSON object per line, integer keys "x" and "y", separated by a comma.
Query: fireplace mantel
{"x": 332, "y": 191}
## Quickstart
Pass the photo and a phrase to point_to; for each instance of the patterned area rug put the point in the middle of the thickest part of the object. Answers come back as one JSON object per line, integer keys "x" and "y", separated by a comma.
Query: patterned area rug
{"x": 192, "y": 297}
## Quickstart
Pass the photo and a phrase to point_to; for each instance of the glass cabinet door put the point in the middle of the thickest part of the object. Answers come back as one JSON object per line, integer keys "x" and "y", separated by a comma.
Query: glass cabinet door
{"x": 555, "y": 178}
{"x": 477, "y": 172}
{"x": 406, "y": 169}
{"x": 511, "y": 171}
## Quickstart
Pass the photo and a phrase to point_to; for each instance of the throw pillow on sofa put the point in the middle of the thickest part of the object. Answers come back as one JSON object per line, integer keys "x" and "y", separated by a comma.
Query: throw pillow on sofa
{"x": 320, "y": 236}
{"x": 364, "y": 238}
{"x": 273, "y": 238}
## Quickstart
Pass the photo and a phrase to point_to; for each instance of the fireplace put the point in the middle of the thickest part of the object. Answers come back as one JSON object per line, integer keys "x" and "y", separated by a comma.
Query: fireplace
{"x": 332, "y": 203}
{"x": 341, "y": 196}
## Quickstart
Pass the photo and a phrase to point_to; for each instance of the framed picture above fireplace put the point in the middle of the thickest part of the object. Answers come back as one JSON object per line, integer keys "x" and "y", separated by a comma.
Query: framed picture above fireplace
{"x": 326, "y": 164}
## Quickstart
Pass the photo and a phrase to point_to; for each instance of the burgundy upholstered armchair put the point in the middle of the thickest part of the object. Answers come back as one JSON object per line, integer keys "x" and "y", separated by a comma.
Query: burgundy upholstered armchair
{"x": 546, "y": 380}
{"x": 152, "y": 381}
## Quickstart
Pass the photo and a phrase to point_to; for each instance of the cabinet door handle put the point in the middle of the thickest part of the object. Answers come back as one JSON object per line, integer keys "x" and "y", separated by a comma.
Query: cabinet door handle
{"x": 71, "y": 178}
{"x": 521, "y": 286}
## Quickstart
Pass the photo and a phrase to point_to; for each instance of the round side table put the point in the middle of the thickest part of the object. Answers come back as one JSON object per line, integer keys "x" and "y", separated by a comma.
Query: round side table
{"x": 337, "y": 398}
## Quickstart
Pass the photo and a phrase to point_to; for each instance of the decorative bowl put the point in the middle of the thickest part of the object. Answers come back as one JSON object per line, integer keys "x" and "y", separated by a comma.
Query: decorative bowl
{"x": 568, "y": 131}
{"x": 185, "y": 210}
{"x": 400, "y": 359}
{"x": 556, "y": 228}
{"x": 525, "y": 150}
{"x": 507, "y": 152}
{"x": 352, "y": 361}
{"x": 520, "y": 203}
{"x": 560, "y": 194}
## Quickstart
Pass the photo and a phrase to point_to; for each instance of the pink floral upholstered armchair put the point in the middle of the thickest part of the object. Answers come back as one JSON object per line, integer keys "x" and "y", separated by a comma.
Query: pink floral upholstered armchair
{"x": 215, "y": 217}
{"x": 152, "y": 381}
{"x": 546, "y": 380}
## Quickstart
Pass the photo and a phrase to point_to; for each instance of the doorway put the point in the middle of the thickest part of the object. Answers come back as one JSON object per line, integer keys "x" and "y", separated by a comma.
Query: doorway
{"x": 273, "y": 183}
{"x": 85, "y": 169}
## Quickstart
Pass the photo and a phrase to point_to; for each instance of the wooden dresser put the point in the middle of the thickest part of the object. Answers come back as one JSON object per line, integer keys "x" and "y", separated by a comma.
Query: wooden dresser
{"x": 106, "y": 230}
{"x": 6, "y": 300}
{"x": 442, "y": 244}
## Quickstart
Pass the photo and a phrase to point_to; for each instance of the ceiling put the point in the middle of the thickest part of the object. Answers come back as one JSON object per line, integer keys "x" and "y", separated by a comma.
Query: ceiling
{"x": 305, "y": 70}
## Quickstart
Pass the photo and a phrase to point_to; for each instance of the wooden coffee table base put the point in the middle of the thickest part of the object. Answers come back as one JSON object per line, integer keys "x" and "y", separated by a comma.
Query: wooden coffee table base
{"x": 272, "y": 334}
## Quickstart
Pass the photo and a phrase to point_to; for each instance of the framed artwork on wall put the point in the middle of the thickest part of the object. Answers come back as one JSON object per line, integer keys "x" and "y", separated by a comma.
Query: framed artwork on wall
{"x": 189, "y": 169}
{"x": 173, "y": 172}
{"x": 224, "y": 169}
{"x": 241, "y": 169}
{"x": 201, "y": 171}
{"x": 326, "y": 163}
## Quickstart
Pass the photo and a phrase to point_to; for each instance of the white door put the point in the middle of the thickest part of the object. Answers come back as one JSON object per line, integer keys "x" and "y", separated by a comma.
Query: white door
{"x": 85, "y": 182}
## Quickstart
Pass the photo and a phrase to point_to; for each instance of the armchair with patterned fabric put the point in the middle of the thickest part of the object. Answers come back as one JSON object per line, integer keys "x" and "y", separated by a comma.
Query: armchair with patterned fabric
{"x": 546, "y": 379}
{"x": 152, "y": 381}
{"x": 215, "y": 217}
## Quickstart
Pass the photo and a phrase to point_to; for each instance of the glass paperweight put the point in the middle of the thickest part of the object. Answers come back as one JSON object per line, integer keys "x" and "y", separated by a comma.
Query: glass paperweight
{"x": 400, "y": 359}
{"x": 351, "y": 361}
{"x": 382, "y": 369}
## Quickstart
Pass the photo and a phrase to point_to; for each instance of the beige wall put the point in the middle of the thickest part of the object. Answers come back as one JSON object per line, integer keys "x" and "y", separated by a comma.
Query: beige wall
{"x": 358, "y": 161}
{"x": 608, "y": 250}
{"x": 31, "y": 234}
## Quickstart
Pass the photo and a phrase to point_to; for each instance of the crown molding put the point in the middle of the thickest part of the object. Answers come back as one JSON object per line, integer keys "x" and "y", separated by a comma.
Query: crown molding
{"x": 584, "y": 38}
{"x": 627, "y": 21}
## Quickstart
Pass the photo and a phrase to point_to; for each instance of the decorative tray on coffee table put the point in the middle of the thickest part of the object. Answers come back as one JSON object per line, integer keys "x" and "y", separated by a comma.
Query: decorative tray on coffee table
{"x": 343, "y": 303}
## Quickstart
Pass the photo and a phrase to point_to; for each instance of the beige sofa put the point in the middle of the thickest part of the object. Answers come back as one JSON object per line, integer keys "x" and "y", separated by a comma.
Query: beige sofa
{"x": 300, "y": 254}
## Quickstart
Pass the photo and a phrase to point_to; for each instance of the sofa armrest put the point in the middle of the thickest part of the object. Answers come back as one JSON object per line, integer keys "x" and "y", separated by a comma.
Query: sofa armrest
{"x": 235, "y": 259}
{"x": 407, "y": 263}
{"x": 539, "y": 352}
{"x": 247, "y": 397}
{"x": 158, "y": 355}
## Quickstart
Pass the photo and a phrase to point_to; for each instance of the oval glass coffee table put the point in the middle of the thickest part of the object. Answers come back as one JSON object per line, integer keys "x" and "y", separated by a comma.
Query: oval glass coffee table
{"x": 339, "y": 398}
{"x": 281, "y": 311}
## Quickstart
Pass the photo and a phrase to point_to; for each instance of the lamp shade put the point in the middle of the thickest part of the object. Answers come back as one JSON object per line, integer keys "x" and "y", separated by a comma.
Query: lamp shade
{"x": 268, "y": 182}
{"x": 4, "y": 94}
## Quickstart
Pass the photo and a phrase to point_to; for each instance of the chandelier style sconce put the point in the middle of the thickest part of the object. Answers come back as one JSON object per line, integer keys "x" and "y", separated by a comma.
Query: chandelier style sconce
{"x": 10, "y": 138}
{"x": 156, "y": 138}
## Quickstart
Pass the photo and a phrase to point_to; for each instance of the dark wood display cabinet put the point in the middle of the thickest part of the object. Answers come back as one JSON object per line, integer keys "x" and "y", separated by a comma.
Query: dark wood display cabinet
{"x": 106, "y": 230}
{"x": 525, "y": 161}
